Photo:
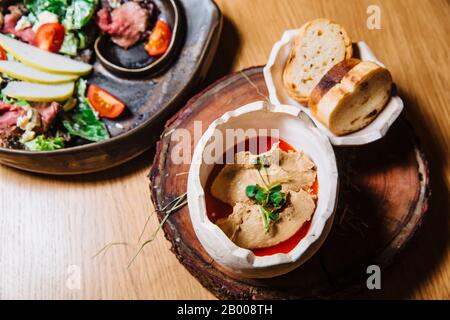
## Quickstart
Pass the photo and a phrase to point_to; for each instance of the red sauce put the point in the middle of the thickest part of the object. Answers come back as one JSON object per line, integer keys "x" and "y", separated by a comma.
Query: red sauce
{"x": 217, "y": 209}
{"x": 285, "y": 246}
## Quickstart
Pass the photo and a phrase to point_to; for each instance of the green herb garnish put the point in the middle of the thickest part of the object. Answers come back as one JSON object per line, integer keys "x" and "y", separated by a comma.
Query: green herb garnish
{"x": 270, "y": 198}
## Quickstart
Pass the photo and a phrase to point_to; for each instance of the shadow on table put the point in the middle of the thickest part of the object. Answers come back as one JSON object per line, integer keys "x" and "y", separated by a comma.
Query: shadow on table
{"x": 226, "y": 52}
{"x": 121, "y": 171}
{"x": 419, "y": 262}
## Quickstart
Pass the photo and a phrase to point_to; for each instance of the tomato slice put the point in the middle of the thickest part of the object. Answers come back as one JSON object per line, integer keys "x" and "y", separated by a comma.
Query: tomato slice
{"x": 50, "y": 37}
{"x": 3, "y": 55}
{"x": 105, "y": 103}
{"x": 159, "y": 39}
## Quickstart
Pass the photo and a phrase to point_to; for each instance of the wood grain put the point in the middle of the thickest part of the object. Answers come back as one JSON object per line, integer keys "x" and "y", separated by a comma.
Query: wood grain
{"x": 50, "y": 223}
{"x": 381, "y": 203}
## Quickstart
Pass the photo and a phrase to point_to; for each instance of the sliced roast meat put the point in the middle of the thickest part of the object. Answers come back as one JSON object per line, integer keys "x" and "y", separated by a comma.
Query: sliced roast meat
{"x": 10, "y": 22}
{"x": 8, "y": 120}
{"x": 26, "y": 35}
{"x": 9, "y": 115}
{"x": 47, "y": 112}
{"x": 104, "y": 20}
{"x": 124, "y": 24}
{"x": 18, "y": 9}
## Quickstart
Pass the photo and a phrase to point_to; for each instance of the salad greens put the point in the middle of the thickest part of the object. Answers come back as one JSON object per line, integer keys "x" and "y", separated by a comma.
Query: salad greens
{"x": 77, "y": 117}
{"x": 78, "y": 14}
{"x": 82, "y": 121}
{"x": 81, "y": 88}
{"x": 16, "y": 102}
{"x": 73, "y": 14}
{"x": 57, "y": 7}
{"x": 83, "y": 39}
{"x": 41, "y": 143}
{"x": 70, "y": 44}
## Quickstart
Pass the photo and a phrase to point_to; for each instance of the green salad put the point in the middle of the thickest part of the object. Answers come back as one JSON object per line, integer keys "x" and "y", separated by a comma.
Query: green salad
{"x": 46, "y": 102}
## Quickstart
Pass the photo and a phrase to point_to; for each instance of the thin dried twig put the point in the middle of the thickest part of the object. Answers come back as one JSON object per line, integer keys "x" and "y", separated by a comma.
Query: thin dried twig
{"x": 170, "y": 208}
{"x": 107, "y": 247}
{"x": 254, "y": 86}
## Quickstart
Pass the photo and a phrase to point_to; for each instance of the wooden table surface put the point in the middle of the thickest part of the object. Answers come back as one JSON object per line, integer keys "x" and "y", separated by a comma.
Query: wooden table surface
{"x": 51, "y": 227}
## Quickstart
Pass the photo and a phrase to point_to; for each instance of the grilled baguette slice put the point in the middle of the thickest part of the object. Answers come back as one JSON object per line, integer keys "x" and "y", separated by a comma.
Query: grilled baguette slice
{"x": 351, "y": 95}
{"x": 319, "y": 45}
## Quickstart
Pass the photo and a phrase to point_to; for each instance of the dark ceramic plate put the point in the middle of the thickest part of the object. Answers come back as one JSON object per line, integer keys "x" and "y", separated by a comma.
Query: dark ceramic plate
{"x": 135, "y": 61}
{"x": 150, "y": 102}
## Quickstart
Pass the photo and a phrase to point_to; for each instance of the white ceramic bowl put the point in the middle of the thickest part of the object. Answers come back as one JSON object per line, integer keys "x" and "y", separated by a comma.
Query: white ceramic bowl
{"x": 273, "y": 75}
{"x": 296, "y": 128}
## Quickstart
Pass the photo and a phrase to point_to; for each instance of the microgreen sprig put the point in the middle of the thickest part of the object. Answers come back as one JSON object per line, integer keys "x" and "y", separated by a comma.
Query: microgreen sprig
{"x": 270, "y": 198}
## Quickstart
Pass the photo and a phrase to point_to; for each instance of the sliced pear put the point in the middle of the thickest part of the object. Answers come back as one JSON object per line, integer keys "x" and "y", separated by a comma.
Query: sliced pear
{"x": 43, "y": 60}
{"x": 20, "y": 71}
{"x": 39, "y": 92}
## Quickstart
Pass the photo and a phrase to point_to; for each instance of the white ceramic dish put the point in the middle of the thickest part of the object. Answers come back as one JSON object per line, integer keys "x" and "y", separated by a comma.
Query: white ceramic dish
{"x": 273, "y": 75}
{"x": 296, "y": 128}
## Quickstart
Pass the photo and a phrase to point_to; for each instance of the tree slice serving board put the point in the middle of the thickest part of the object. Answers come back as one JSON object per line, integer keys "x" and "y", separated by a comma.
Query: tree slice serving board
{"x": 383, "y": 195}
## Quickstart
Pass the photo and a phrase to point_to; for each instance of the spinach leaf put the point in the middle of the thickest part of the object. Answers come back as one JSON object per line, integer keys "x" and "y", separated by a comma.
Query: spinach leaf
{"x": 78, "y": 13}
{"x": 41, "y": 143}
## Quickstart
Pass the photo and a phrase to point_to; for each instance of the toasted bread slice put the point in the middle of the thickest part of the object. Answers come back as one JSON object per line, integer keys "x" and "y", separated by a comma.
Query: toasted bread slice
{"x": 351, "y": 95}
{"x": 320, "y": 45}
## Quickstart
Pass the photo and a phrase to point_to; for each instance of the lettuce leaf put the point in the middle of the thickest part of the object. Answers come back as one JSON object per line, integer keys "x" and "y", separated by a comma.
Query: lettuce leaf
{"x": 41, "y": 143}
{"x": 57, "y": 7}
{"x": 79, "y": 13}
{"x": 74, "y": 14}
{"x": 70, "y": 44}
{"x": 82, "y": 121}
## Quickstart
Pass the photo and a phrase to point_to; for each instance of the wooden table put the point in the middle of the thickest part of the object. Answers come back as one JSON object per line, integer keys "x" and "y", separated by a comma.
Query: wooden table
{"x": 51, "y": 227}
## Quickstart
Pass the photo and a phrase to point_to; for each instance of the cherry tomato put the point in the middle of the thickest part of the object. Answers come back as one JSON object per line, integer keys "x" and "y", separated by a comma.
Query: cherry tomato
{"x": 50, "y": 36}
{"x": 3, "y": 55}
{"x": 105, "y": 103}
{"x": 159, "y": 39}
